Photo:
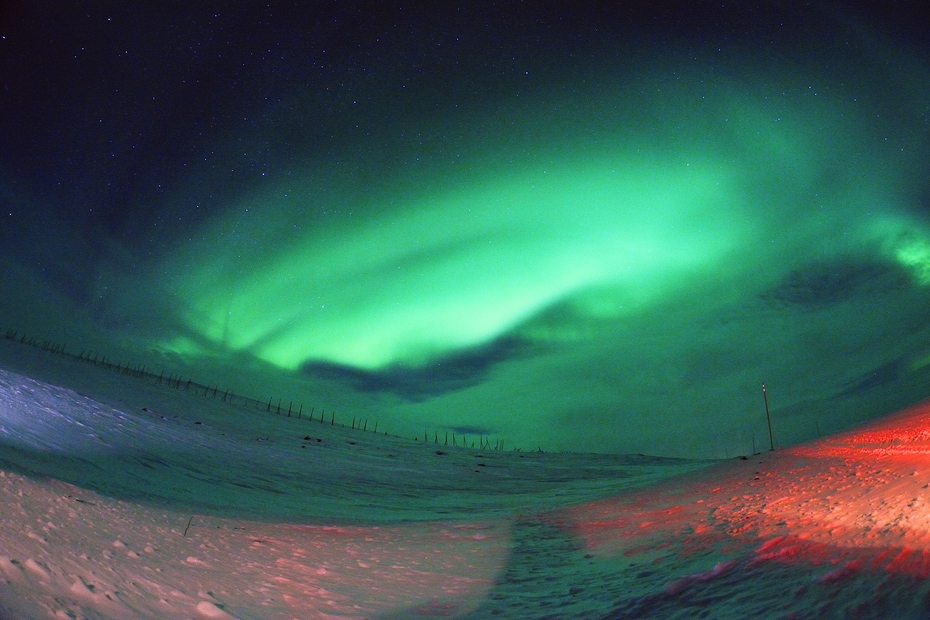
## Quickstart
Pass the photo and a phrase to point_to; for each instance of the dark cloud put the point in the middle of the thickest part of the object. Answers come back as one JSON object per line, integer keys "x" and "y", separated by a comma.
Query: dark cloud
{"x": 472, "y": 430}
{"x": 827, "y": 282}
{"x": 877, "y": 377}
{"x": 449, "y": 373}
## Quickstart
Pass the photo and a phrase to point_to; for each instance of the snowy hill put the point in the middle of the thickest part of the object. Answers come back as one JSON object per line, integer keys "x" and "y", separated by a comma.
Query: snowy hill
{"x": 124, "y": 498}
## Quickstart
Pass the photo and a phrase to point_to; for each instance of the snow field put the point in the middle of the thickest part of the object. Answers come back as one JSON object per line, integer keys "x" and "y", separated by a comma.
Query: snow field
{"x": 123, "y": 499}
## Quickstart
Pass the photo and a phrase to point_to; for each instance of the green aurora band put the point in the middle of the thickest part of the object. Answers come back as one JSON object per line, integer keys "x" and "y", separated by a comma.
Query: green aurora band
{"x": 617, "y": 228}
{"x": 607, "y": 227}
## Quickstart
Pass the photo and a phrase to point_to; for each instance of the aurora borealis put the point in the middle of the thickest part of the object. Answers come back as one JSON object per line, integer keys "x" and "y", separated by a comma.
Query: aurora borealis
{"x": 595, "y": 229}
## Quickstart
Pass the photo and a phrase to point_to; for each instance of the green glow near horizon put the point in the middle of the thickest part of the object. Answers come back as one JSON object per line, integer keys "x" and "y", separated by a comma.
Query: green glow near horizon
{"x": 607, "y": 224}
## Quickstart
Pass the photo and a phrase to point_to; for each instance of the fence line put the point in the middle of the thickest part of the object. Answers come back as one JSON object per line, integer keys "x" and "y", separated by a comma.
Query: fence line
{"x": 177, "y": 382}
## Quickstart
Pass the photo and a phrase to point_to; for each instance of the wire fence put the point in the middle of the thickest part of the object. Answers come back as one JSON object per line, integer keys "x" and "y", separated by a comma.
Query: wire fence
{"x": 273, "y": 405}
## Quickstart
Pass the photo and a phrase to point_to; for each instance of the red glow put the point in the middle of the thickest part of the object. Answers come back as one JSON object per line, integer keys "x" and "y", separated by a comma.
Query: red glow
{"x": 855, "y": 501}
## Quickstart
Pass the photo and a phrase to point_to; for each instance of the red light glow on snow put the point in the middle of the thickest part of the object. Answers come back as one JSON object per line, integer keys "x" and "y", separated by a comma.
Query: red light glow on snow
{"x": 857, "y": 501}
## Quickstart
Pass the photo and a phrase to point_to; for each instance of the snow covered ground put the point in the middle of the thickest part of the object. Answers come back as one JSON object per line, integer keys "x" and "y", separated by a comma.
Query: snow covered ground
{"x": 124, "y": 498}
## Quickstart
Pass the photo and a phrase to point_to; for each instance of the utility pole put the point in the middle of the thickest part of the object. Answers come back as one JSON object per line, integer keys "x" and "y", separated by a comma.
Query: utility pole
{"x": 768, "y": 418}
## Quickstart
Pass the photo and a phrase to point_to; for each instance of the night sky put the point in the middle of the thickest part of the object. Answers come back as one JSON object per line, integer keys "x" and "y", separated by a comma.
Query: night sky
{"x": 573, "y": 226}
